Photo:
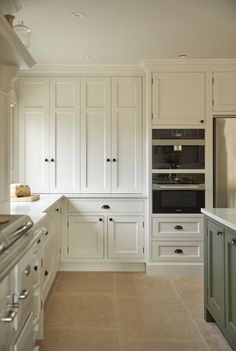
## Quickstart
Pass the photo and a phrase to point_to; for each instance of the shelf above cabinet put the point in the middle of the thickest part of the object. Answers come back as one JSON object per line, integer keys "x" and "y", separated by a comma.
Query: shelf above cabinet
{"x": 12, "y": 50}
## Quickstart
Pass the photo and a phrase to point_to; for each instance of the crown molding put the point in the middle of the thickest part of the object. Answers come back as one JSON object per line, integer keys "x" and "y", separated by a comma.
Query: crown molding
{"x": 186, "y": 61}
{"x": 55, "y": 69}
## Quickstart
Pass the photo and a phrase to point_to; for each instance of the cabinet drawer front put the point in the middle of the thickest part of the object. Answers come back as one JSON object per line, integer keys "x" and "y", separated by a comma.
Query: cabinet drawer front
{"x": 105, "y": 205}
{"x": 165, "y": 251}
{"x": 190, "y": 227}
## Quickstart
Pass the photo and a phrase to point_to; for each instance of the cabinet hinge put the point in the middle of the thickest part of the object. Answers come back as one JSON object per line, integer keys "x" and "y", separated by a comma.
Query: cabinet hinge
{"x": 152, "y": 115}
{"x": 152, "y": 80}
{"x": 41, "y": 262}
{"x": 41, "y": 305}
{"x": 143, "y": 249}
{"x": 143, "y": 224}
{"x": 67, "y": 224}
{"x": 213, "y": 80}
{"x": 68, "y": 249}
{"x": 213, "y": 102}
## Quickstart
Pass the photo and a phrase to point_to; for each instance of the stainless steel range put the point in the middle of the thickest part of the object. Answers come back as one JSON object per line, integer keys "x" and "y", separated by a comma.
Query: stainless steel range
{"x": 16, "y": 283}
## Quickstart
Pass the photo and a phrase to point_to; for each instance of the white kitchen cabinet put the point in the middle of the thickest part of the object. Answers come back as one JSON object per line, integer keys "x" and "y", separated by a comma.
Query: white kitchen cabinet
{"x": 95, "y": 135}
{"x": 85, "y": 237}
{"x": 125, "y": 237}
{"x": 178, "y": 98}
{"x": 224, "y": 92}
{"x": 49, "y": 156}
{"x": 111, "y": 124}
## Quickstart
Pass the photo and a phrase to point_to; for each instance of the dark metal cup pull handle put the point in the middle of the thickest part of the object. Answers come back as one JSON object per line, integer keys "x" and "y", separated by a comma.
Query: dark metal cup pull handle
{"x": 219, "y": 233}
{"x": 179, "y": 251}
{"x": 179, "y": 227}
{"x": 106, "y": 207}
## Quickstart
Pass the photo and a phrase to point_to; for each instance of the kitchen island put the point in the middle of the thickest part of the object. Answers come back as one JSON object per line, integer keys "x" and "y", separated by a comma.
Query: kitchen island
{"x": 220, "y": 270}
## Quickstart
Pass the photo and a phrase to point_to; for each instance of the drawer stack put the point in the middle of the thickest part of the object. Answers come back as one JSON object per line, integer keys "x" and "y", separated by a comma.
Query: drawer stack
{"x": 177, "y": 239}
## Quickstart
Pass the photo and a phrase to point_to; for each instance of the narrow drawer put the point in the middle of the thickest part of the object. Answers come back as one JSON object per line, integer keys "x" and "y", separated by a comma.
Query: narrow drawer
{"x": 185, "y": 227}
{"x": 177, "y": 251}
{"x": 105, "y": 205}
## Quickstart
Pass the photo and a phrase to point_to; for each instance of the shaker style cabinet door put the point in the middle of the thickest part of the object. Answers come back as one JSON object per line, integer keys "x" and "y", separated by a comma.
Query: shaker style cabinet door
{"x": 95, "y": 135}
{"x": 125, "y": 237}
{"x": 34, "y": 133}
{"x": 127, "y": 135}
{"x": 64, "y": 135}
{"x": 224, "y": 92}
{"x": 230, "y": 281}
{"x": 85, "y": 237}
{"x": 216, "y": 273}
{"x": 178, "y": 98}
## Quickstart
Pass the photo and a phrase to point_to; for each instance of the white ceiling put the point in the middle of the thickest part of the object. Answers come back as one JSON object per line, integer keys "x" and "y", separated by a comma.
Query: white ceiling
{"x": 127, "y": 31}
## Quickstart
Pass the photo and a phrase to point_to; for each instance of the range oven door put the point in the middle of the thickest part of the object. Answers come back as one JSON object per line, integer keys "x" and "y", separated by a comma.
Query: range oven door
{"x": 178, "y": 201}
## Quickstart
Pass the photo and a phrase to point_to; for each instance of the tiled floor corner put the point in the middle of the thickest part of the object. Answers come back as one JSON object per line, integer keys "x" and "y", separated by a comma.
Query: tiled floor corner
{"x": 97, "y": 311}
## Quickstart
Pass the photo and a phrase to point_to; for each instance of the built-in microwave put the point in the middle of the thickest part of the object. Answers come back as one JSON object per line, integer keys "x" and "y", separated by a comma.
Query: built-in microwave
{"x": 180, "y": 198}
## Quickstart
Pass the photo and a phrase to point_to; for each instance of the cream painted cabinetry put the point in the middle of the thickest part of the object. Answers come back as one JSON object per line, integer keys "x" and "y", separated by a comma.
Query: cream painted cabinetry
{"x": 224, "y": 92}
{"x": 111, "y": 124}
{"x": 49, "y": 134}
{"x": 108, "y": 229}
{"x": 178, "y": 98}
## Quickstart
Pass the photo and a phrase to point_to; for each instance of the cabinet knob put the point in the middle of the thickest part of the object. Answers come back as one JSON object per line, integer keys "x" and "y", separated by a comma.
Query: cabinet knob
{"x": 52, "y": 160}
{"x": 219, "y": 233}
{"x": 46, "y": 273}
{"x": 179, "y": 227}
{"x": 100, "y": 219}
{"x": 106, "y": 207}
{"x": 46, "y": 160}
{"x": 57, "y": 210}
{"x": 24, "y": 294}
{"x": 36, "y": 268}
{"x": 110, "y": 219}
{"x": 46, "y": 233}
{"x": 233, "y": 242}
{"x": 114, "y": 159}
{"x": 39, "y": 241}
{"x": 202, "y": 121}
{"x": 108, "y": 160}
{"x": 179, "y": 251}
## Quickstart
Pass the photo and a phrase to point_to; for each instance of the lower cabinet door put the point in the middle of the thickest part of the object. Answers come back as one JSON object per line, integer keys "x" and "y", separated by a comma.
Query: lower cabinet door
{"x": 230, "y": 274}
{"x": 215, "y": 272}
{"x": 85, "y": 237}
{"x": 125, "y": 237}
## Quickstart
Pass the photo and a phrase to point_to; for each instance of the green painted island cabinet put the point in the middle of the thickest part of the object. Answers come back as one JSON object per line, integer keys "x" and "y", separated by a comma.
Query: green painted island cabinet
{"x": 220, "y": 278}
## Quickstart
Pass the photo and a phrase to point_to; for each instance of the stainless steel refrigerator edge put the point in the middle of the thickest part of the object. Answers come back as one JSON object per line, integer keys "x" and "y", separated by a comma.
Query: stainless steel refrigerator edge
{"x": 224, "y": 162}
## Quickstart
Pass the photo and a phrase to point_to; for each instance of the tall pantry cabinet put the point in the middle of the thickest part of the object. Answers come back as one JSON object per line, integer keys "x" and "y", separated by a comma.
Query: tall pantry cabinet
{"x": 81, "y": 134}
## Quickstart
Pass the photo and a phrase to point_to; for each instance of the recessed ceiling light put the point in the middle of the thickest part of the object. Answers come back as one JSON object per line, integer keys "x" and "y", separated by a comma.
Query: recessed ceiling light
{"x": 78, "y": 14}
{"x": 85, "y": 57}
{"x": 182, "y": 56}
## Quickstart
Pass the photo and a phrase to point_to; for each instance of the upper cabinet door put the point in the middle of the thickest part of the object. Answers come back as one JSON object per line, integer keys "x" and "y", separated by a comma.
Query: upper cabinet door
{"x": 224, "y": 92}
{"x": 127, "y": 135}
{"x": 95, "y": 135}
{"x": 64, "y": 135}
{"x": 178, "y": 98}
{"x": 34, "y": 133}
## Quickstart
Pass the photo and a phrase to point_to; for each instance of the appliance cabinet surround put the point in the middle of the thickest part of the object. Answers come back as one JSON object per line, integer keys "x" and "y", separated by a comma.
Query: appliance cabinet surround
{"x": 105, "y": 230}
{"x": 178, "y": 98}
{"x": 81, "y": 134}
{"x": 224, "y": 92}
{"x": 220, "y": 278}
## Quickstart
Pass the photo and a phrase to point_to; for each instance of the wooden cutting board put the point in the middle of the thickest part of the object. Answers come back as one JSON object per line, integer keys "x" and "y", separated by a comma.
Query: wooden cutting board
{"x": 25, "y": 198}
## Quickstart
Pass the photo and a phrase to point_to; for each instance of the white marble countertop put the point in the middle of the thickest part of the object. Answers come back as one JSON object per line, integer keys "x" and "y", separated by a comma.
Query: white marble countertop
{"x": 226, "y": 216}
{"x": 35, "y": 209}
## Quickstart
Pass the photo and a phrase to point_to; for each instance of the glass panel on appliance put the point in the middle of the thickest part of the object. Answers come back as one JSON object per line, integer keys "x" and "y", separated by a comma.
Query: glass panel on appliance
{"x": 158, "y": 134}
{"x": 179, "y": 178}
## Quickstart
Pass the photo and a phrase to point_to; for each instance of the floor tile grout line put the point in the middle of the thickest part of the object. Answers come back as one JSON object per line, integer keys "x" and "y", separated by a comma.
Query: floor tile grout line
{"x": 116, "y": 308}
{"x": 187, "y": 310}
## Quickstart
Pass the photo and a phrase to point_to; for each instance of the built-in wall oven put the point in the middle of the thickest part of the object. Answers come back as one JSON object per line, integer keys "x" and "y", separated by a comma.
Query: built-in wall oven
{"x": 178, "y": 164}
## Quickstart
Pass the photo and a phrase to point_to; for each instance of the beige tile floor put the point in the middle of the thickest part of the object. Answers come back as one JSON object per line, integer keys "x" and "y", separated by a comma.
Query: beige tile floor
{"x": 93, "y": 311}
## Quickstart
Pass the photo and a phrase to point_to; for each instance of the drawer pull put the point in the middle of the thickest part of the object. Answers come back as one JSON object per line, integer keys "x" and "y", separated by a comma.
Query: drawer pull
{"x": 233, "y": 242}
{"x": 179, "y": 251}
{"x": 106, "y": 207}
{"x": 24, "y": 294}
{"x": 179, "y": 227}
{"x": 219, "y": 233}
{"x": 9, "y": 317}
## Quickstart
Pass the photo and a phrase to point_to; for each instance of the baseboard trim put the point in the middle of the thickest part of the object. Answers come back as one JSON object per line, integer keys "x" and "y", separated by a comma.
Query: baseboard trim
{"x": 102, "y": 267}
{"x": 180, "y": 269}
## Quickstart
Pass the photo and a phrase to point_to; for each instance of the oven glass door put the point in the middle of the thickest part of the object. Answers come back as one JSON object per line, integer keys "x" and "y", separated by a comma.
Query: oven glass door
{"x": 178, "y": 201}
{"x": 178, "y": 157}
